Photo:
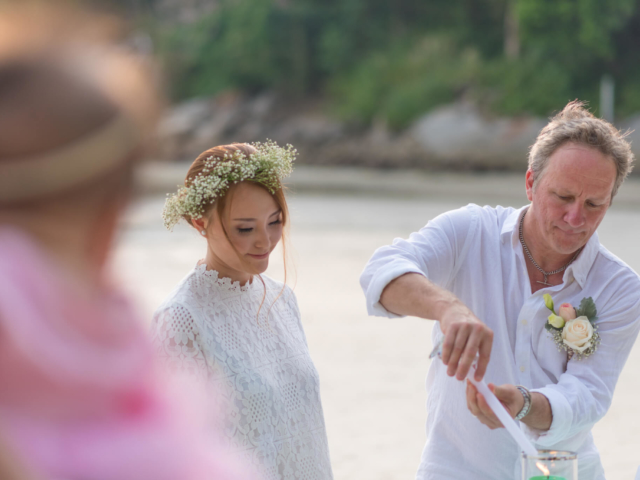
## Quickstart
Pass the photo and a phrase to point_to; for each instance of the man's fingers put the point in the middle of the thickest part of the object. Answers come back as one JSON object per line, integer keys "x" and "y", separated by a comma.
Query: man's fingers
{"x": 470, "y": 350}
{"x": 465, "y": 338}
{"x": 471, "y": 398}
{"x": 472, "y": 404}
{"x": 491, "y": 420}
{"x": 459, "y": 346}
{"x": 447, "y": 345}
{"x": 475, "y": 402}
{"x": 485, "y": 353}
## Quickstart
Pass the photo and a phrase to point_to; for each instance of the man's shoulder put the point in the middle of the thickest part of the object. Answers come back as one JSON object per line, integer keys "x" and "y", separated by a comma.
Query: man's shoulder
{"x": 617, "y": 269}
{"x": 487, "y": 216}
{"x": 615, "y": 284}
{"x": 485, "y": 212}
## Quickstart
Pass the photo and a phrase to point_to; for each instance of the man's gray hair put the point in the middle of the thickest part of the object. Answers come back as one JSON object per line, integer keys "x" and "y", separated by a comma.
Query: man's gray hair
{"x": 577, "y": 125}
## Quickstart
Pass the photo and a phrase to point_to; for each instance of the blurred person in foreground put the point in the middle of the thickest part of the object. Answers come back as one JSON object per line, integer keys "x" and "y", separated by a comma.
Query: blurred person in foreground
{"x": 533, "y": 290}
{"x": 80, "y": 397}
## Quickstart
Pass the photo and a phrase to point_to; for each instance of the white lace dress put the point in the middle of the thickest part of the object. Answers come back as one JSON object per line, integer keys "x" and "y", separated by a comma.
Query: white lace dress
{"x": 209, "y": 327}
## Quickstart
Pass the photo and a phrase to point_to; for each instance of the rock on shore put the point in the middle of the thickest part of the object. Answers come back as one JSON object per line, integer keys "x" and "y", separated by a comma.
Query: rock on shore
{"x": 455, "y": 136}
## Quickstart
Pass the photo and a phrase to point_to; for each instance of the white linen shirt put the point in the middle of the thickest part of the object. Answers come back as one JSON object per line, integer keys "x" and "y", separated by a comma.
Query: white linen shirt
{"x": 475, "y": 252}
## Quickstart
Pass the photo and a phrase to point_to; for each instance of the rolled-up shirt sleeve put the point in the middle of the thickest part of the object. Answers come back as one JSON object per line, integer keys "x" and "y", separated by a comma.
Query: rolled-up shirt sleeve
{"x": 435, "y": 252}
{"x": 584, "y": 392}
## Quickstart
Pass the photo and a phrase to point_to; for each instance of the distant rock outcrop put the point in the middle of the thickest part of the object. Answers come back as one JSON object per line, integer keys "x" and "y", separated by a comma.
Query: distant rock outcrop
{"x": 451, "y": 137}
{"x": 195, "y": 125}
{"x": 459, "y": 134}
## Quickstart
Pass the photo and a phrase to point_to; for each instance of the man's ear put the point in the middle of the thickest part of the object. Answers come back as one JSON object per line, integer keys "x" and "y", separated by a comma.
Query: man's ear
{"x": 529, "y": 184}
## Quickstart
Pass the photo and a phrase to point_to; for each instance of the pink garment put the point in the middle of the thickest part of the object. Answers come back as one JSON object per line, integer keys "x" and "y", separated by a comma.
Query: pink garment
{"x": 80, "y": 396}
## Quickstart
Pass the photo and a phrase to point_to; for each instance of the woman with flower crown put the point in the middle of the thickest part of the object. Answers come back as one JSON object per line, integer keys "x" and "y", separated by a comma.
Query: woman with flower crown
{"x": 237, "y": 329}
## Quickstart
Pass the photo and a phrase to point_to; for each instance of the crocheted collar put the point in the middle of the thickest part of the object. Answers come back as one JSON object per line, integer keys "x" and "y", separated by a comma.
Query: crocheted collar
{"x": 225, "y": 283}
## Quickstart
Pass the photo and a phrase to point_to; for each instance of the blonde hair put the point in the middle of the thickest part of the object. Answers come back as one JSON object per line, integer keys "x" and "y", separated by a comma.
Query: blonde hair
{"x": 577, "y": 125}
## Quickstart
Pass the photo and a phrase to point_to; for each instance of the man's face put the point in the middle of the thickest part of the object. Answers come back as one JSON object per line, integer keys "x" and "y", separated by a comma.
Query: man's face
{"x": 571, "y": 197}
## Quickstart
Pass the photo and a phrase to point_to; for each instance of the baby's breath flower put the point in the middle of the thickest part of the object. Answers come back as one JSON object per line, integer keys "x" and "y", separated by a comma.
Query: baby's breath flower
{"x": 268, "y": 167}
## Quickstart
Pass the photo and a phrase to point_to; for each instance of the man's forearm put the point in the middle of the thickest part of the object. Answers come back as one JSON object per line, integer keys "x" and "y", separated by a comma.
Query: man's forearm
{"x": 465, "y": 335}
{"x": 414, "y": 295}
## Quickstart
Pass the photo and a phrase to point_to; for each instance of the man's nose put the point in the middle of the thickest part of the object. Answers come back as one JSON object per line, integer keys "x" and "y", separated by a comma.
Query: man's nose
{"x": 575, "y": 216}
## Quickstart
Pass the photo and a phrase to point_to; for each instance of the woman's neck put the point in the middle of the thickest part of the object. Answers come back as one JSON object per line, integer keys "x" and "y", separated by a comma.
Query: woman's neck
{"x": 213, "y": 262}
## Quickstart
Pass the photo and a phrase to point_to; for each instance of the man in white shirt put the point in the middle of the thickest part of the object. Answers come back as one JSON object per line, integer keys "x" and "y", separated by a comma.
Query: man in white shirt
{"x": 481, "y": 273}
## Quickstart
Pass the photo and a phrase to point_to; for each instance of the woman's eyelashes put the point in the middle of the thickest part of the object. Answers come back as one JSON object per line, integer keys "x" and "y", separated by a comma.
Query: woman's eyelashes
{"x": 250, "y": 229}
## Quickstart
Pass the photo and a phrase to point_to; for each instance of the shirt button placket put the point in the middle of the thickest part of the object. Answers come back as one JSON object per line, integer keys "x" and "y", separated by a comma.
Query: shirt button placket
{"x": 523, "y": 342}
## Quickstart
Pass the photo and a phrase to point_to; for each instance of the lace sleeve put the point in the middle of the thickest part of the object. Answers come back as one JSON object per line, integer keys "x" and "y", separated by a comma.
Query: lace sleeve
{"x": 177, "y": 342}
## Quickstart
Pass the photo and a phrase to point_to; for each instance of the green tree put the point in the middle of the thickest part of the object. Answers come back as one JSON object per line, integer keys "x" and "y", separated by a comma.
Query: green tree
{"x": 394, "y": 60}
{"x": 570, "y": 28}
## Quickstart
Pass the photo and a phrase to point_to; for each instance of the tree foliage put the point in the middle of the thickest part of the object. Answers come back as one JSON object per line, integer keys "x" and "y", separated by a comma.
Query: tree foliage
{"x": 394, "y": 60}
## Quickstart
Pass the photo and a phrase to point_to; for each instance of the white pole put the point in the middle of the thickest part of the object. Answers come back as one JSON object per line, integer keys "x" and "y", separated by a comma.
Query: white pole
{"x": 607, "y": 97}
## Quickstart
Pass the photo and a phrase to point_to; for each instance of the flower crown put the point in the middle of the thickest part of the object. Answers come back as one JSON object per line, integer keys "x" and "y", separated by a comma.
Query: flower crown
{"x": 268, "y": 166}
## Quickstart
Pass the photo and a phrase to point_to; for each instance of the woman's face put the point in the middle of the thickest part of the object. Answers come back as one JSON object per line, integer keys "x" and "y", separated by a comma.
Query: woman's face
{"x": 253, "y": 221}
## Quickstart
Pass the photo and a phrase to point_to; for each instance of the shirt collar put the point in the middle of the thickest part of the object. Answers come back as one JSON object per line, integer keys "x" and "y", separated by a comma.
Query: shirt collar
{"x": 579, "y": 269}
{"x": 511, "y": 225}
{"x": 582, "y": 265}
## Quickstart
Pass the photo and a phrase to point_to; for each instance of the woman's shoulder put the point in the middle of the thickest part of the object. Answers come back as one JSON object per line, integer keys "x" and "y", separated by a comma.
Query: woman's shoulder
{"x": 276, "y": 287}
{"x": 272, "y": 283}
{"x": 285, "y": 303}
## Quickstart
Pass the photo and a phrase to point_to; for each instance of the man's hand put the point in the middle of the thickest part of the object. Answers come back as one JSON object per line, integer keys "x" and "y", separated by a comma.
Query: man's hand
{"x": 464, "y": 334}
{"x": 508, "y": 395}
{"x": 539, "y": 417}
{"x": 464, "y": 337}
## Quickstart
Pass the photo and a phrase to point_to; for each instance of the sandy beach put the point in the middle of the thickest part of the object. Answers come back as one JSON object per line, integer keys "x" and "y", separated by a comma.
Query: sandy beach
{"x": 372, "y": 369}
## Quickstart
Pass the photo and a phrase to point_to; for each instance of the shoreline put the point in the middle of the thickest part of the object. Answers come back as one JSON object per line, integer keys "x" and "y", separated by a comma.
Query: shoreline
{"x": 463, "y": 187}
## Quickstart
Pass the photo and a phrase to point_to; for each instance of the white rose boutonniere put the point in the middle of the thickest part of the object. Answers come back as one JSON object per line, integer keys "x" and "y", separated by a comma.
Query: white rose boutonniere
{"x": 577, "y": 334}
{"x": 574, "y": 329}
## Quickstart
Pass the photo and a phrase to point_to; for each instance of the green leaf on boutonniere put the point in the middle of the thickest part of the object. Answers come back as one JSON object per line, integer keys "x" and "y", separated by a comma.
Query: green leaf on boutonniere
{"x": 551, "y": 328}
{"x": 587, "y": 309}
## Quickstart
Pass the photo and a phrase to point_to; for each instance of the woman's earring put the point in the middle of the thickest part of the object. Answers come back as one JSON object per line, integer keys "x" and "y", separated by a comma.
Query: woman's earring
{"x": 204, "y": 233}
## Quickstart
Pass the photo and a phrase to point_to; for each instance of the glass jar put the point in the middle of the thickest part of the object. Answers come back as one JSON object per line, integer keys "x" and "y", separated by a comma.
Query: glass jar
{"x": 550, "y": 465}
